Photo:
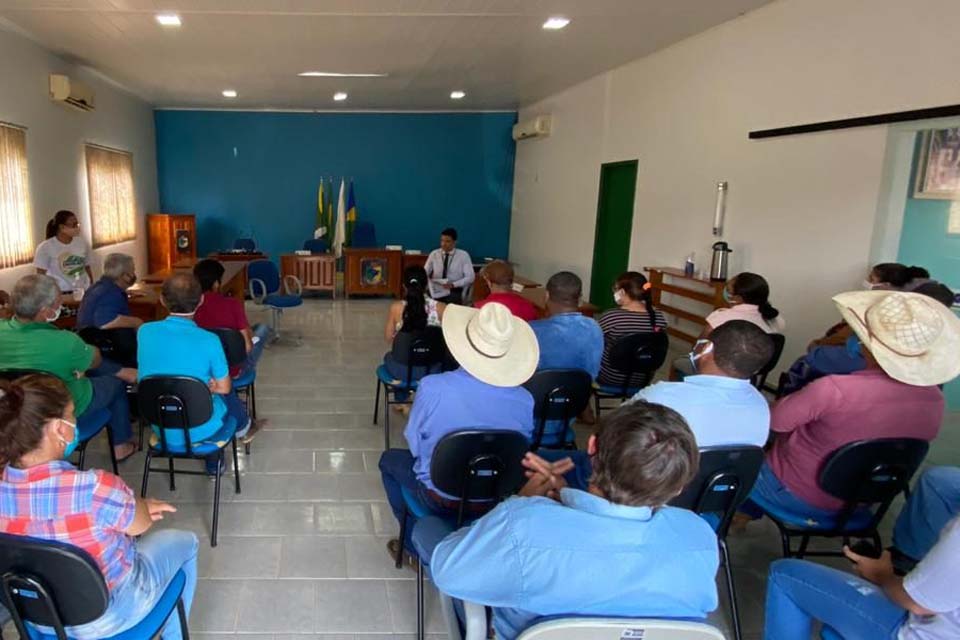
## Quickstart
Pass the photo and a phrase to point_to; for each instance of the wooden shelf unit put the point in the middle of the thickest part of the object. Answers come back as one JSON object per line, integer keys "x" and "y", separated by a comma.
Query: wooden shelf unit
{"x": 713, "y": 298}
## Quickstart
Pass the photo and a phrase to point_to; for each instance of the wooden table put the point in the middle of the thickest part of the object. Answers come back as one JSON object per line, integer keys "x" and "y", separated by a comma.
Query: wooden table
{"x": 411, "y": 259}
{"x": 710, "y": 293}
{"x": 316, "y": 272}
{"x": 374, "y": 272}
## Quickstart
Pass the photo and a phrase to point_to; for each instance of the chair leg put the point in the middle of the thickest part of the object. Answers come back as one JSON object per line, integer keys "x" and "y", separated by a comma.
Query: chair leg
{"x": 376, "y": 403}
{"x": 253, "y": 399}
{"x": 403, "y": 536}
{"x": 146, "y": 474}
{"x": 596, "y": 404}
{"x": 785, "y": 541}
{"x": 803, "y": 547}
{"x": 420, "y": 620}
{"x": 173, "y": 482}
{"x": 386, "y": 419}
{"x": 731, "y": 590}
{"x": 182, "y": 614}
{"x": 236, "y": 466}
{"x": 83, "y": 455}
{"x": 113, "y": 453}
{"x": 216, "y": 502}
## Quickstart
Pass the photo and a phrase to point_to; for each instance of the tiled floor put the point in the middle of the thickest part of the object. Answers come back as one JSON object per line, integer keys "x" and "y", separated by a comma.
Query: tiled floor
{"x": 302, "y": 548}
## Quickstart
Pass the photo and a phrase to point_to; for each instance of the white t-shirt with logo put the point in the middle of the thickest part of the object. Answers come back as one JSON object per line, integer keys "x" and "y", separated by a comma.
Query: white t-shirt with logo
{"x": 932, "y": 585}
{"x": 64, "y": 262}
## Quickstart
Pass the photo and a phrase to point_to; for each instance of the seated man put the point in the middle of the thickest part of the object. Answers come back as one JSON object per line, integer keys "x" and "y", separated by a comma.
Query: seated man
{"x": 30, "y": 341}
{"x": 6, "y": 312}
{"x": 449, "y": 269}
{"x": 105, "y": 305}
{"x": 909, "y": 343}
{"x": 567, "y": 338}
{"x": 497, "y": 353}
{"x": 218, "y": 311}
{"x": 499, "y": 277}
{"x": 612, "y": 550}
{"x": 176, "y": 346}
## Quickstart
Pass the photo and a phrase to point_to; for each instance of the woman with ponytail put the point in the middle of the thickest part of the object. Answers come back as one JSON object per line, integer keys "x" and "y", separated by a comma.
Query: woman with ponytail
{"x": 64, "y": 255}
{"x": 634, "y": 314}
{"x": 748, "y": 295}
{"x": 40, "y": 491}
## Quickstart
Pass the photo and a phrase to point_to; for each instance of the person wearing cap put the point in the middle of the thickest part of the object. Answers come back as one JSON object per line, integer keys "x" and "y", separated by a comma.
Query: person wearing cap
{"x": 450, "y": 269}
{"x": 911, "y": 344}
{"x": 497, "y": 353}
{"x": 498, "y": 275}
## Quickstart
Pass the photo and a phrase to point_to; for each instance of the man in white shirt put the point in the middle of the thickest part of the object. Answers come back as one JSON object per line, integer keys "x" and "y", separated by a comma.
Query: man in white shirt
{"x": 450, "y": 269}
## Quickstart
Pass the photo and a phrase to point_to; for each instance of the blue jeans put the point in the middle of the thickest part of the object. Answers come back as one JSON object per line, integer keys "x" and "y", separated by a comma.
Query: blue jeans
{"x": 238, "y": 411}
{"x": 799, "y": 592}
{"x": 934, "y": 502}
{"x": 160, "y": 555}
{"x": 261, "y": 331}
{"x": 769, "y": 487}
{"x": 396, "y": 470}
{"x": 111, "y": 394}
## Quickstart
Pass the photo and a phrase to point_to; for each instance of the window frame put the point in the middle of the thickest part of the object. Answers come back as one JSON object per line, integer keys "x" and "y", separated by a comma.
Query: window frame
{"x": 131, "y": 234}
{"x": 25, "y": 253}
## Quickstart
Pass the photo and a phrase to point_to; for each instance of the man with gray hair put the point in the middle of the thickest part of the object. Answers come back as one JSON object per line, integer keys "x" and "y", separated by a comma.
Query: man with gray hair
{"x": 105, "y": 304}
{"x": 29, "y": 340}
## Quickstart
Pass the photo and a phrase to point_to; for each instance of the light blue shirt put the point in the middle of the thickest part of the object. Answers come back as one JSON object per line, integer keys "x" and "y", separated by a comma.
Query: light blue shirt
{"x": 721, "y": 411}
{"x": 176, "y": 346}
{"x": 533, "y": 557}
{"x": 569, "y": 341}
{"x": 453, "y": 401}
{"x": 459, "y": 267}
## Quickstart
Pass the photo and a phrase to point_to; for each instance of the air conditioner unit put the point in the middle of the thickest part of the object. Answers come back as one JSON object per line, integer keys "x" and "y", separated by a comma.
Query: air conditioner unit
{"x": 539, "y": 127}
{"x": 71, "y": 93}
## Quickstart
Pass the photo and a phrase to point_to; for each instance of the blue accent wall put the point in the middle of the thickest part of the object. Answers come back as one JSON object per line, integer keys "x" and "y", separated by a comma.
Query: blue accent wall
{"x": 257, "y": 173}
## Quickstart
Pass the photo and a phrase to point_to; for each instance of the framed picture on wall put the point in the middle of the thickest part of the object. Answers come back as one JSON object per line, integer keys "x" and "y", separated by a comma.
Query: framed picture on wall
{"x": 938, "y": 173}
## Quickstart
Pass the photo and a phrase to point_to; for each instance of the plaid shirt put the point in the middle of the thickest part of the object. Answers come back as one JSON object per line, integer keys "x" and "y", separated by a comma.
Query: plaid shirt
{"x": 88, "y": 509}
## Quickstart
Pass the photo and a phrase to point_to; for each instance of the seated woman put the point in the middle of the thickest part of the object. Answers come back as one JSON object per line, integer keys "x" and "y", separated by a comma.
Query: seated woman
{"x": 414, "y": 313}
{"x": 634, "y": 314}
{"x": 39, "y": 491}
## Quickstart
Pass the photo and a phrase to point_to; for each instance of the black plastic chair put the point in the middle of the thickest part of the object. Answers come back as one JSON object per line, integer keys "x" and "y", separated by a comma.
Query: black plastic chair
{"x": 724, "y": 480}
{"x": 759, "y": 379}
{"x": 415, "y": 349}
{"x": 235, "y": 349}
{"x": 179, "y": 403}
{"x": 637, "y": 357}
{"x": 866, "y": 475}
{"x": 472, "y": 465}
{"x": 58, "y": 585}
{"x": 119, "y": 345}
{"x": 558, "y": 394}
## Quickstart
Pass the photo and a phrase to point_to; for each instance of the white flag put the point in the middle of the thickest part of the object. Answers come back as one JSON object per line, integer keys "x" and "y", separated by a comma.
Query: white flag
{"x": 340, "y": 229}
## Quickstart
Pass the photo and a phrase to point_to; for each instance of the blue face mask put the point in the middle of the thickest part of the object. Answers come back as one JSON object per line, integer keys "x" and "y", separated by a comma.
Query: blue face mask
{"x": 853, "y": 347}
{"x": 726, "y": 297}
{"x": 73, "y": 444}
{"x": 694, "y": 356}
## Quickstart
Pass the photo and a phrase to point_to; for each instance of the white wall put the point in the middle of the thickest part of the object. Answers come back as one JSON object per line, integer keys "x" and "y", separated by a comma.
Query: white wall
{"x": 801, "y": 210}
{"x": 55, "y": 139}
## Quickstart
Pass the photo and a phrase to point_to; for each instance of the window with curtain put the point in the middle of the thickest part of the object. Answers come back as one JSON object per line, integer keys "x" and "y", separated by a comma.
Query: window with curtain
{"x": 113, "y": 208}
{"x": 16, "y": 236}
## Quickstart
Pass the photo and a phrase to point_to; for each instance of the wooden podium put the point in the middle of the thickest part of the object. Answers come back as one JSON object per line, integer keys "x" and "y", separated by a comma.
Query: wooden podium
{"x": 373, "y": 272}
{"x": 171, "y": 237}
{"x": 317, "y": 272}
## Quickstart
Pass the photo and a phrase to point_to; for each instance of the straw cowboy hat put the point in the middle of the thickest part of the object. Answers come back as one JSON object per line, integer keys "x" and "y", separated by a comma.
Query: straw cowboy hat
{"x": 914, "y": 338}
{"x": 491, "y": 344}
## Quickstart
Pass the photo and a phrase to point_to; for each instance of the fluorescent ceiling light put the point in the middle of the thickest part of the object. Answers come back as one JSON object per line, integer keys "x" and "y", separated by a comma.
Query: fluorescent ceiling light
{"x": 457, "y": 95}
{"x": 335, "y": 74}
{"x": 229, "y": 93}
{"x": 556, "y": 22}
{"x": 168, "y": 19}
{"x": 340, "y": 96}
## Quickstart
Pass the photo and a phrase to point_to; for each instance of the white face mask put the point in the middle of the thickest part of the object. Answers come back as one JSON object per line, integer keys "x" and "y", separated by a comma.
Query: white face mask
{"x": 867, "y": 285}
{"x": 618, "y": 296}
{"x": 56, "y": 316}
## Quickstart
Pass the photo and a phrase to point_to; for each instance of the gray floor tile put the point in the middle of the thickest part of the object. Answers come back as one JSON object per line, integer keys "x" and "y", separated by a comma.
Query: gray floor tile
{"x": 290, "y": 487}
{"x": 265, "y": 519}
{"x": 402, "y": 595}
{"x": 367, "y": 557}
{"x": 339, "y": 461}
{"x": 313, "y": 557}
{"x": 216, "y": 605}
{"x": 278, "y": 606}
{"x": 343, "y": 518}
{"x": 361, "y": 486}
{"x": 357, "y": 606}
{"x": 236, "y": 557}
{"x": 263, "y": 460}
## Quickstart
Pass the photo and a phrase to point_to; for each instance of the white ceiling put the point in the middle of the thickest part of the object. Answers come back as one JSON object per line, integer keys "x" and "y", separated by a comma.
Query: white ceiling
{"x": 495, "y": 50}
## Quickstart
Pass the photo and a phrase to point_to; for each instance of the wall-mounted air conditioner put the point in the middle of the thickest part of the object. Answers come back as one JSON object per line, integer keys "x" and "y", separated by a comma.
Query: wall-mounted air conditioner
{"x": 71, "y": 93}
{"x": 538, "y": 127}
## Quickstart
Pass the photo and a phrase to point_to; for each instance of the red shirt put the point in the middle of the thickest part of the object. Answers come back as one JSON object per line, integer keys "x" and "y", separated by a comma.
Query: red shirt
{"x": 518, "y": 305}
{"x": 221, "y": 312}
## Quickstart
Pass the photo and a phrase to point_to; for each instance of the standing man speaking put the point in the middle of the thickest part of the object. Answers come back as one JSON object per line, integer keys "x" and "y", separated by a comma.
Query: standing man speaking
{"x": 450, "y": 269}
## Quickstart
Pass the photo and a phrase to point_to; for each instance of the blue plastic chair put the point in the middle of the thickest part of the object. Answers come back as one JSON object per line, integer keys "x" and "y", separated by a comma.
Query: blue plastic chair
{"x": 420, "y": 349}
{"x": 637, "y": 357}
{"x": 264, "y": 278}
{"x": 245, "y": 244}
{"x": 364, "y": 235}
{"x": 57, "y": 585}
{"x": 316, "y": 245}
{"x": 235, "y": 349}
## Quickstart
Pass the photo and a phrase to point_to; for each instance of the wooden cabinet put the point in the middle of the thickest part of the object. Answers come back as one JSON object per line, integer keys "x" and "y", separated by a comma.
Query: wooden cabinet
{"x": 317, "y": 272}
{"x": 372, "y": 272}
{"x": 171, "y": 237}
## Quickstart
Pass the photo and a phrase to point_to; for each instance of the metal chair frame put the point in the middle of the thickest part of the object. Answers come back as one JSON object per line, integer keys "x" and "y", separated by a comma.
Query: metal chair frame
{"x": 425, "y": 349}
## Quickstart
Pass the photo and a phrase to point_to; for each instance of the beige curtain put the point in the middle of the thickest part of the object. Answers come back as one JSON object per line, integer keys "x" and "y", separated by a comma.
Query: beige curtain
{"x": 16, "y": 236}
{"x": 112, "y": 203}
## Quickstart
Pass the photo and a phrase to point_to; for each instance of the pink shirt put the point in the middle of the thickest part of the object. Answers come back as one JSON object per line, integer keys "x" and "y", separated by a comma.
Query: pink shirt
{"x": 837, "y": 410}
{"x": 748, "y": 312}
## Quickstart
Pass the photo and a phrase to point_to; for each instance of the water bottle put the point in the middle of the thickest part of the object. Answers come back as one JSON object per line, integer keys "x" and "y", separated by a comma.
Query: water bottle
{"x": 78, "y": 289}
{"x": 689, "y": 266}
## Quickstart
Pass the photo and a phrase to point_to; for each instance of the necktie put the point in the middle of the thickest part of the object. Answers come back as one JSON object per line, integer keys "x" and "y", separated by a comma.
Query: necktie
{"x": 446, "y": 263}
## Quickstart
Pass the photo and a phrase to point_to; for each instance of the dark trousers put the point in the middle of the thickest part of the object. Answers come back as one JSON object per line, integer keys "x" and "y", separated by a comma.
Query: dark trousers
{"x": 396, "y": 470}
{"x": 111, "y": 394}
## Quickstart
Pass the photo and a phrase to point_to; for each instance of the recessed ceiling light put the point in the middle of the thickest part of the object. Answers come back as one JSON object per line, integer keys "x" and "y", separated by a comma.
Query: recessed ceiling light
{"x": 457, "y": 95}
{"x": 556, "y": 22}
{"x": 168, "y": 19}
{"x": 336, "y": 74}
{"x": 229, "y": 93}
{"x": 340, "y": 96}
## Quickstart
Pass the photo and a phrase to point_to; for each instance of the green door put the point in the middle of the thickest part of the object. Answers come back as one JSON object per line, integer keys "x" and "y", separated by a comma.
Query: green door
{"x": 611, "y": 245}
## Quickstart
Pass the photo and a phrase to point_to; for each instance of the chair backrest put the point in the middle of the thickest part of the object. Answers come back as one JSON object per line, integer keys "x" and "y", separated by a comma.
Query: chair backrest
{"x": 364, "y": 235}
{"x": 638, "y": 356}
{"x": 316, "y": 245}
{"x": 264, "y": 278}
{"x": 871, "y": 472}
{"x": 479, "y": 464}
{"x": 245, "y": 244}
{"x": 234, "y": 346}
{"x": 174, "y": 402}
{"x": 50, "y": 583}
{"x": 760, "y": 377}
{"x": 620, "y": 629}
{"x": 724, "y": 480}
{"x": 119, "y": 345}
{"x": 418, "y": 349}
{"x": 558, "y": 394}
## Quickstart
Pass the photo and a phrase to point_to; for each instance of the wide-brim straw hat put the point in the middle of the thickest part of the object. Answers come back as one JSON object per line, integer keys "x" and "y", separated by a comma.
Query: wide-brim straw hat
{"x": 491, "y": 343}
{"x": 914, "y": 338}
